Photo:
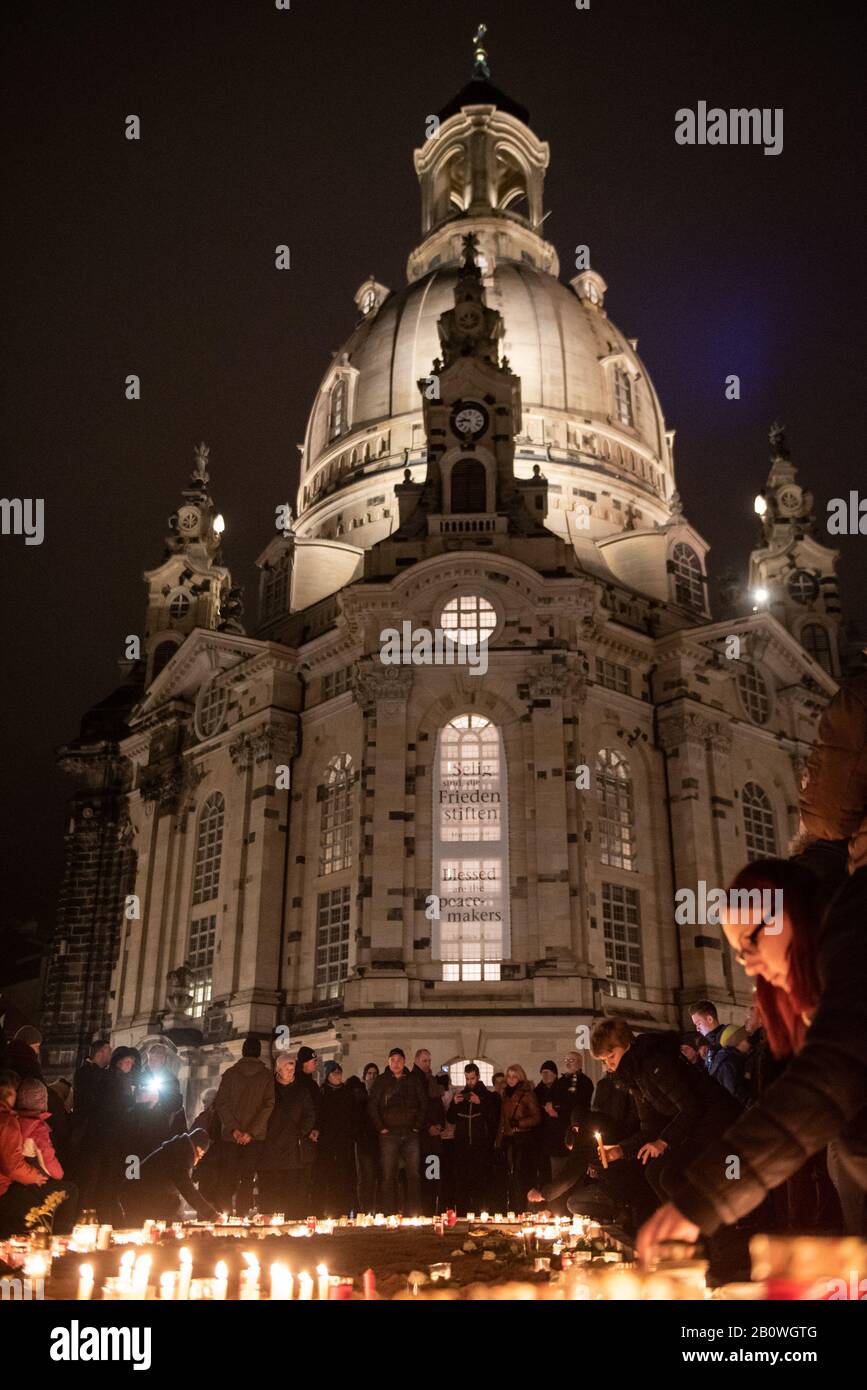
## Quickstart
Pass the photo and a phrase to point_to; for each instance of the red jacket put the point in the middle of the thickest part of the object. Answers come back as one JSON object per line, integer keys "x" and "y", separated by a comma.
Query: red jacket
{"x": 36, "y": 1142}
{"x": 13, "y": 1167}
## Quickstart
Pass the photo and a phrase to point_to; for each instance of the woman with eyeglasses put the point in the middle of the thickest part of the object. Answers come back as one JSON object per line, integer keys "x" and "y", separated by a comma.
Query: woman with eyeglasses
{"x": 810, "y": 965}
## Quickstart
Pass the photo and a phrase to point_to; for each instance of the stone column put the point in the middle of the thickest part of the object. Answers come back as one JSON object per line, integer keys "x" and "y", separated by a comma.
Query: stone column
{"x": 256, "y": 947}
{"x": 383, "y": 692}
{"x": 684, "y": 735}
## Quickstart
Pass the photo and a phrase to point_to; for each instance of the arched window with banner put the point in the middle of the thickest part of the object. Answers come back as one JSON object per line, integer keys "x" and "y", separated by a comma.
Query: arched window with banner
{"x": 471, "y": 850}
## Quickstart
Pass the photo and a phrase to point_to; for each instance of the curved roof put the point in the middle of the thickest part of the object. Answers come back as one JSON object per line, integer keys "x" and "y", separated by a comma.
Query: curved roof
{"x": 480, "y": 92}
{"x": 555, "y": 342}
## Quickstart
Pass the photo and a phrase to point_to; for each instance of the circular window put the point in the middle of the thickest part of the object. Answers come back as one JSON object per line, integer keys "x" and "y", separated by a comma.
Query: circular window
{"x": 179, "y": 605}
{"x": 754, "y": 695}
{"x": 469, "y": 619}
{"x": 211, "y": 709}
{"x": 803, "y": 586}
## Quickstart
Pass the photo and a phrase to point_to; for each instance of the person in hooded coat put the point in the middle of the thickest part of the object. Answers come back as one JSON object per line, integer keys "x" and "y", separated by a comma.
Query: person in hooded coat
{"x": 338, "y": 1129}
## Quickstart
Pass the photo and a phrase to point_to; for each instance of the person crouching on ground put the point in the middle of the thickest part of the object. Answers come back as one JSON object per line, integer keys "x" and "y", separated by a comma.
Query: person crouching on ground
{"x": 811, "y": 970}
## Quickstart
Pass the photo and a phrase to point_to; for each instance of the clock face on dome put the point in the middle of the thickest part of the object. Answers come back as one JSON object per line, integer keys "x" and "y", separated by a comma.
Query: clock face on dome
{"x": 468, "y": 318}
{"x": 789, "y": 499}
{"x": 469, "y": 420}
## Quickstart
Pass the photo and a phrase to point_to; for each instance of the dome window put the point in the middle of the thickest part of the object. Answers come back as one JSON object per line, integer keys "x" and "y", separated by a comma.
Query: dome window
{"x": 337, "y": 409}
{"x": 179, "y": 605}
{"x": 623, "y": 408}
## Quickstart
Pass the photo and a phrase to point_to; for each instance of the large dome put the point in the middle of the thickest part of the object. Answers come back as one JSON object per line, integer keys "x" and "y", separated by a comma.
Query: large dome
{"x": 590, "y": 412}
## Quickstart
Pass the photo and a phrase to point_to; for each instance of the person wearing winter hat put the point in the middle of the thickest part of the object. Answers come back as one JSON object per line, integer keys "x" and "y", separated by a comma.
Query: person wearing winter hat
{"x": 165, "y": 1181}
{"x": 244, "y": 1103}
{"x": 549, "y": 1134}
{"x": 22, "y": 1053}
{"x": 306, "y": 1066}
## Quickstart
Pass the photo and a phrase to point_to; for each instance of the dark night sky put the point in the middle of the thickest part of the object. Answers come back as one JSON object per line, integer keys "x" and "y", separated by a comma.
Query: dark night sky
{"x": 261, "y": 127}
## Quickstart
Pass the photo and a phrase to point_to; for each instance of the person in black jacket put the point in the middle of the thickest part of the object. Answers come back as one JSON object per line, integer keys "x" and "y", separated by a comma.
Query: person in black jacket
{"x": 366, "y": 1141}
{"x": 430, "y": 1133}
{"x": 617, "y": 1195}
{"x": 115, "y": 1128}
{"x": 306, "y": 1068}
{"x": 338, "y": 1128}
{"x": 282, "y": 1186}
{"x": 165, "y": 1181}
{"x": 88, "y": 1098}
{"x": 475, "y": 1114}
{"x": 550, "y": 1133}
{"x": 724, "y": 1064}
{"x": 397, "y": 1111}
{"x": 812, "y": 995}
{"x": 662, "y": 1083}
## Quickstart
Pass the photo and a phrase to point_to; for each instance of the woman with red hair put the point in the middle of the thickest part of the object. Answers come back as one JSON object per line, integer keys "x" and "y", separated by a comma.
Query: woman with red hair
{"x": 810, "y": 964}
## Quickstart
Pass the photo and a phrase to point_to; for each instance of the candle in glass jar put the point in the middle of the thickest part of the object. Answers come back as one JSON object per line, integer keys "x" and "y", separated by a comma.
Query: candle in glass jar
{"x": 305, "y": 1286}
{"x": 600, "y": 1147}
{"x": 168, "y": 1284}
{"x": 221, "y": 1279}
{"x": 369, "y": 1284}
{"x": 141, "y": 1274}
{"x": 85, "y": 1282}
{"x": 322, "y": 1281}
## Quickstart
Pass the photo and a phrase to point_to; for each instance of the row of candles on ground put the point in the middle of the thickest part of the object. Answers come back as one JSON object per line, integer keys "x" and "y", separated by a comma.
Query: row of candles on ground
{"x": 88, "y": 1237}
{"x": 134, "y": 1281}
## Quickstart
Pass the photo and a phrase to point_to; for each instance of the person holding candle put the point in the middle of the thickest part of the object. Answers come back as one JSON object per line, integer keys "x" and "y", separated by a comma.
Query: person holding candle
{"x": 811, "y": 991}
{"x": 165, "y": 1183}
{"x": 161, "y": 1110}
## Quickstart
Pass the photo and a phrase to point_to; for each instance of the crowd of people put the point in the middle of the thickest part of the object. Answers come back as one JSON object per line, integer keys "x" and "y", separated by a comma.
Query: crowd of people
{"x": 684, "y": 1135}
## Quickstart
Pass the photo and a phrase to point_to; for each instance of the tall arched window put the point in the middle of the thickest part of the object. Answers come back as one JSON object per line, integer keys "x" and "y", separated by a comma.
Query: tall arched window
{"x": 623, "y": 409}
{"x": 759, "y": 831}
{"x": 816, "y": 641}
{"x": 335, "y": 836}
{"x": 337, "y": 408}
{"x": 209, "y": 849}
{"x": 616, "y": 813}
{"x": 688, "y": 584}
{"x": 206, "y": 886}
{"x": 469, "y": 487}
{"x": 471, "y": 849}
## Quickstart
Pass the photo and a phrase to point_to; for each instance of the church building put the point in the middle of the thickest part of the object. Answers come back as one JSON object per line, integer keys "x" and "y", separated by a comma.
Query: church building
{"x": 485, "y": 725}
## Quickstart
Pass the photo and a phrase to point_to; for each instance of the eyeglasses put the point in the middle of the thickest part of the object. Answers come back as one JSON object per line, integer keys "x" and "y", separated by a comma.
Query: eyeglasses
{"x": 749, "y": 946}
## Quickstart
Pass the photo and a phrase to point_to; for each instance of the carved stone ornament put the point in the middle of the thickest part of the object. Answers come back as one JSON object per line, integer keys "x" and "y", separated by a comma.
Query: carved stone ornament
{"x": 179, "y": 989}
{"x": 268, "y": 743}
{"x": 550, "y": 679}
{"x": 373, "y": 684}
{"x": 690, "y": 728}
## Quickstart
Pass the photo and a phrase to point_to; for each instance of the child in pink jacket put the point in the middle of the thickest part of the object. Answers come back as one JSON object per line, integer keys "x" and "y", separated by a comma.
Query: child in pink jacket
{"x": 31, "y": 1107}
